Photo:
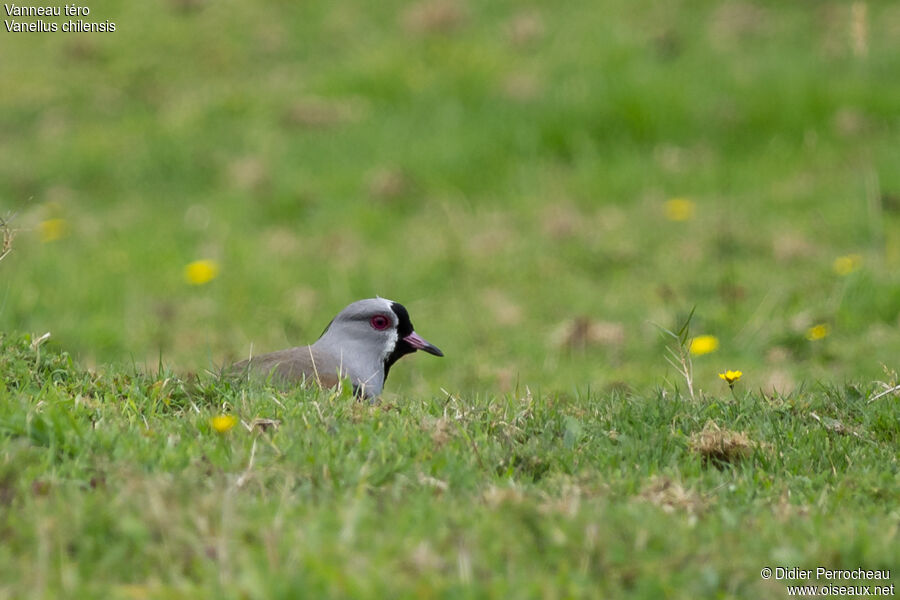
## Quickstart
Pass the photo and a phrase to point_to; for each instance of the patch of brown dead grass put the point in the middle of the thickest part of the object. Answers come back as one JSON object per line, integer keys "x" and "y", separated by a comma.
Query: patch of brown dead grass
{"x": 441, "y": 430}
{"x": 324, "y": 113}
{"x": 583, "y": 332}
{"x": 525, "y": 28}
{"x": 504, "y": 309}
{"x": 721, "y": 446}
{"x": 671, "y": 496}
{"x": 496, "y": 497}
{"x": 248, "y": 173}
{"x": 386, "y": 184}
{"x": 432, "y": 17}
{"x": 733, "y": 22}
{"x": 521, "y": 87}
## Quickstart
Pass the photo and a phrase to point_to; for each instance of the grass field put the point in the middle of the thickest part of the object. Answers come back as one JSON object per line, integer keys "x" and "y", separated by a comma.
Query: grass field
{"x": 546, "y": 189}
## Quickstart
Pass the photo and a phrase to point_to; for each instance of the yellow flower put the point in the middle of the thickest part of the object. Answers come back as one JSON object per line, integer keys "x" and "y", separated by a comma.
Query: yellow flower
{"x": 223, "y": 423}
{"x": 679, "y": 209}
{"x": 844, "y": 265}
{"x": 817, "y": 332}
{"x": 704, "y": 344}
{"x": 731, "y": 377}
{"x": 200, "y": 272}
{"x": 52, "y": 229}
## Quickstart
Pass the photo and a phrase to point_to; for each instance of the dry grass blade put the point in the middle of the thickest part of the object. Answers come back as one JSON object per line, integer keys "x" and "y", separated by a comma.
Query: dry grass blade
{"x": 6, "y": 237}
{"x": 884, "y": 393}
{"x": 680, "y": 357}
{"x": 38, "y": 340}
{"x": 682, "y": 363}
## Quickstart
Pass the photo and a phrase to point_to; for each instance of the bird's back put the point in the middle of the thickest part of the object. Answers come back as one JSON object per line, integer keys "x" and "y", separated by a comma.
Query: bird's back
{"x": 293, "y": 365}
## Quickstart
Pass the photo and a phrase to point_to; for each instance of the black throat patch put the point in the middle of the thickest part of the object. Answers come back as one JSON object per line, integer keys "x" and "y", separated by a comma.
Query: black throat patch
{"x": 404, "y": 328}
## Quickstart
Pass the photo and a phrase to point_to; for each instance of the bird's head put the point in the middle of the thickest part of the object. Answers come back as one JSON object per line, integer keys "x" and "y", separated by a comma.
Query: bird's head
{"x": 379, "y": 326}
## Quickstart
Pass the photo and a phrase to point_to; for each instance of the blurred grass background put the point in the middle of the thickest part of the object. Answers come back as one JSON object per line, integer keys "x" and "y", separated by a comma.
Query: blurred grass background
{"x": 542, "y": 184}
{"x": 538, "y": 184}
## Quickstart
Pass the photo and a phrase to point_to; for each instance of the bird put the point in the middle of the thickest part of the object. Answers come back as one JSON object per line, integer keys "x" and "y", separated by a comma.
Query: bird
{"x": 361, "y": 344}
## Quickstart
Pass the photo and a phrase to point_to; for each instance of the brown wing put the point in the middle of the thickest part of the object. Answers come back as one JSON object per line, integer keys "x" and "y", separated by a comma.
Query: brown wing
{"x": 292, "y": 366}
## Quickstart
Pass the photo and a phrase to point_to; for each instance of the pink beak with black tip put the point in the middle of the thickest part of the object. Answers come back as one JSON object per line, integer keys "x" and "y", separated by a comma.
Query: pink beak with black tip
{"x": 419, "y": 343}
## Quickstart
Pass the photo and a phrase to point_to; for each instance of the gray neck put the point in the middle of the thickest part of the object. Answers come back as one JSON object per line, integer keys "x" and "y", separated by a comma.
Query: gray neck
{"x": 356, "y": 360}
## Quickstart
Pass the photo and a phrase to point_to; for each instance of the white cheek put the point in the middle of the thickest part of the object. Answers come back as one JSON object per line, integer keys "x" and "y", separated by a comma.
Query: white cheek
{"x": 390, "y": 344}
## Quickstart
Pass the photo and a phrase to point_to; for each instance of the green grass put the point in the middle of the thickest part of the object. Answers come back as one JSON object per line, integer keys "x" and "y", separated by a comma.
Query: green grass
{"x": 117, "y": 484}
{"x": 502, "y": 170}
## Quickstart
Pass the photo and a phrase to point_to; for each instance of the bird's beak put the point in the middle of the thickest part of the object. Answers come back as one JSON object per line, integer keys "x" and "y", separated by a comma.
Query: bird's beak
{"x": 419, "y": 343}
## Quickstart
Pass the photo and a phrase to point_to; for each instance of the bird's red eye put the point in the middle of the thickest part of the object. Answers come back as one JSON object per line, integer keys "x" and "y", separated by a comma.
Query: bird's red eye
{"x": 380, "y": 322}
